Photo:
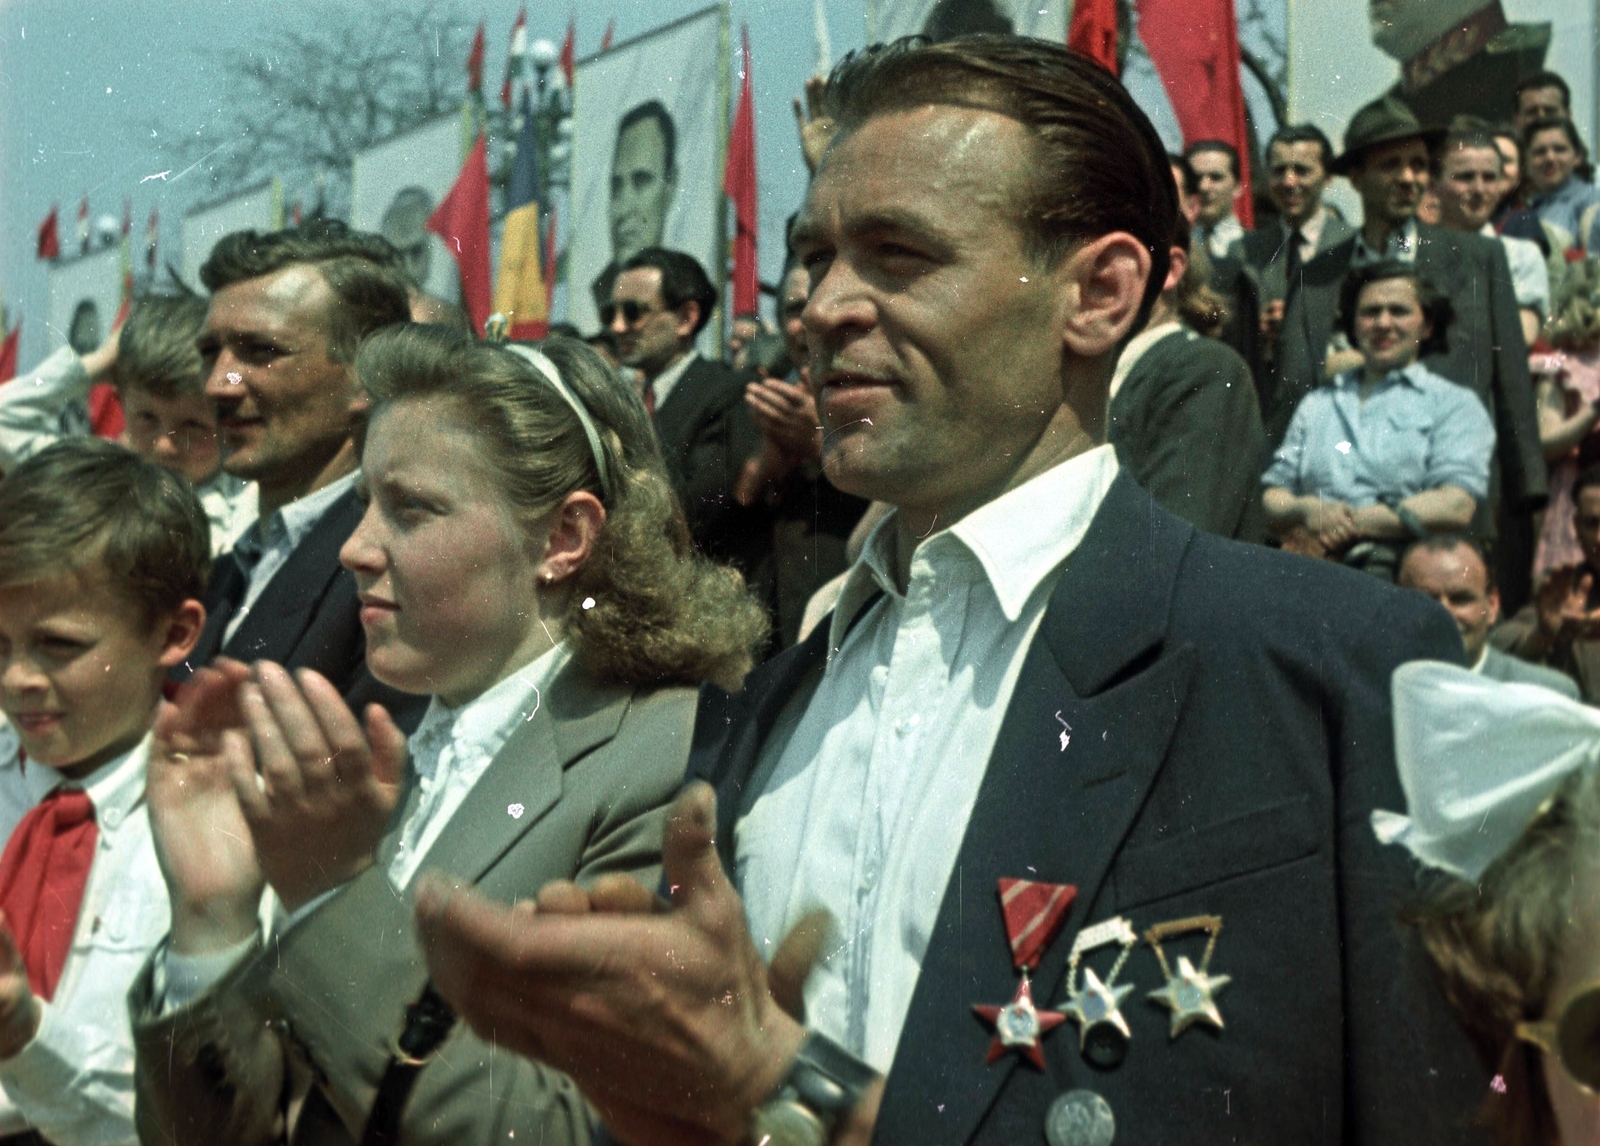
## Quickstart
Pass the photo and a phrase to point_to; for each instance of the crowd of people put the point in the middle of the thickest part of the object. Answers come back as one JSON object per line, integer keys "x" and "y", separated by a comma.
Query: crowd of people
{"x": 962, "y": 715}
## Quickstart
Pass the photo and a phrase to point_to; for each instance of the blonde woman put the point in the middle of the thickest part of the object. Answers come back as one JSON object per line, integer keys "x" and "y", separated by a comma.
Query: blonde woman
{"x": 523, "y": 560}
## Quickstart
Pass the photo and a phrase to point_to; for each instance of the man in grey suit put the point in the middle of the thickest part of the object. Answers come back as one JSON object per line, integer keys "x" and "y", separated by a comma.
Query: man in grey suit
{"x": 1452, "y": 570}
{"x": 1299, "y": 162}
{"x": 1386, "y": 159}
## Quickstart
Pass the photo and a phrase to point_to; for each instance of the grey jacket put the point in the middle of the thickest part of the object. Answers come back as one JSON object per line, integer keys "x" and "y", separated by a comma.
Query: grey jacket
{"x": 293, "y": 1041}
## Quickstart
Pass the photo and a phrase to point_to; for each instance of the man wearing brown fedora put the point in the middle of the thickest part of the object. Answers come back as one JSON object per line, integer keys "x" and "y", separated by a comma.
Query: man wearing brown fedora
{"x": 1386, "y": 154}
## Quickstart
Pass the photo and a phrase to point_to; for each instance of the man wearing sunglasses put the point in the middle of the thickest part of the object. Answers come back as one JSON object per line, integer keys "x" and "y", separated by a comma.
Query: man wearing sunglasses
{"x": 660, "y": 302}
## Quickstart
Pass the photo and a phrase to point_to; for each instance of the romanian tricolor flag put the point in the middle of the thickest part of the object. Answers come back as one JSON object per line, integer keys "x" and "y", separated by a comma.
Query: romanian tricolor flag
{"x": 519, "y": 292}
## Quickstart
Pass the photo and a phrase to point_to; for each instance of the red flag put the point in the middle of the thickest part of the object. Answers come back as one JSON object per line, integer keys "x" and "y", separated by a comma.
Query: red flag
{"x": 611, "y": 34}
{"x": 569, "y": 52}
{"x": 462, "y": 221}
{"x": 1195, "y": 46}
{"x": 475, "y": 63}
{"x": 550, "y": 259}
{"x": 519, "y": 44}
{"x": 49, "y": 236}
{"x": 1093, "y": 31}
{"x": 739, "y": 184}
{"x": 106, "y": 419}
{"x": 8, "y": 354}
{"x": 150, "y": 232}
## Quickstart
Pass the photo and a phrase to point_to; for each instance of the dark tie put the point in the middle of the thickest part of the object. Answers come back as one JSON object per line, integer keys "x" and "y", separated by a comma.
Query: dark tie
{"x": 247, "y": 551}
{"x": 1292, "y": 265}
{"x": 43, "y": 873}
{"x": 650, "y": 398}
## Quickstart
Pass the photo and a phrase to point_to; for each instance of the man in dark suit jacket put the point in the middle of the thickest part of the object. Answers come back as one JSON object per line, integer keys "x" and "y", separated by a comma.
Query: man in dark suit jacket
{"x": 1386, "y": 158}
{"x": 660, "y": 301}
{"x": 288, "y": 311}
{"x": 1035, "y": 674}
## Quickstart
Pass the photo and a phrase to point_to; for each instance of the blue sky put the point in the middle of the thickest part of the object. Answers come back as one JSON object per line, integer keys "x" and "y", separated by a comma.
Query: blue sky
{"x": 85, "y": 83}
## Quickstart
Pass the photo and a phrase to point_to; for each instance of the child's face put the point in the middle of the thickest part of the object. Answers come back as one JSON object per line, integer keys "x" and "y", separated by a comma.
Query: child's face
{"x": 447, "y": 574}
{"x": 179, "y": 434}
{"x": 79, "y": 675}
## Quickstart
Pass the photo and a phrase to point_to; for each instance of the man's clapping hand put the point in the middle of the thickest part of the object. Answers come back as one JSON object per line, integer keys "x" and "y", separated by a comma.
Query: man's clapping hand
{"x": 19, "y": 1007}
{"x": 663, "y": 1014}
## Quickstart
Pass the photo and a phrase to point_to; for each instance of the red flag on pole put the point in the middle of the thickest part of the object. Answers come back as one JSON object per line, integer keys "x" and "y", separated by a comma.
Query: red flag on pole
{"x": 83, "y": 225}
{"x": 462, "y": 221}
{"x": 49, "y": 236}
{"x": 519, "y": 45}
{"x": 550, "y": 258}
{"x": 739, "y": 184}
{"x": 611, "y": 34}
{"x": 475, "y": 63}
{"x": 8, "y": 353}
{"x": 1093, "y": 31}
{"x": 569, "y": 52}
{"x": 1194, "y": 44}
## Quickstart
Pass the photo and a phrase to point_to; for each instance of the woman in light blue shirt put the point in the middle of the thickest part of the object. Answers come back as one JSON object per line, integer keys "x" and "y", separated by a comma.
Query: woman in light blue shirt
{"x": 1388, "y": 452}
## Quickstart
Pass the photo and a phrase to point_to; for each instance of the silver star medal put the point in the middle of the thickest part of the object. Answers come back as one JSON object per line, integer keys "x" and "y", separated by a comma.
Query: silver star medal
{"x": 1190, "y": 993}
{"x": 1096, "y": 1004}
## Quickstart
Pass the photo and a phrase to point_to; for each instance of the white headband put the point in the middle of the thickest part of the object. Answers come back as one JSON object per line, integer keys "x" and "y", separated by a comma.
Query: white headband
{"x": 540, "y": 362}
{"x": 1477, "y": 760}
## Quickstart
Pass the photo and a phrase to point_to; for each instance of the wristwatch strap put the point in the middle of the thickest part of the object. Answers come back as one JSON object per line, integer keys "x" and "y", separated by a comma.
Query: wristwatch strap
{"x": 826, "y": 1079}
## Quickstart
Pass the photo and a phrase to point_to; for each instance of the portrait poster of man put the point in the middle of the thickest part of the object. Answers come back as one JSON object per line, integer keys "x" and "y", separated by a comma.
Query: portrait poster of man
{"x": 85, "y": 295}
{"x": 942, "y": 19}
{"x": 649, "y": 123}
{"x": 395, "y": 185}
{"x": 258, "y": 209}
{"x": 1441, "y": 56}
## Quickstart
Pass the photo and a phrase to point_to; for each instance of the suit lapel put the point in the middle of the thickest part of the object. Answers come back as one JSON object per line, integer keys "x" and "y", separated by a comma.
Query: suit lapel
{"x": 222, "y": 597}
{"x": 524, "y": 780}
{"x": 1049, "y": 809}
{"x": 284, "y": 610}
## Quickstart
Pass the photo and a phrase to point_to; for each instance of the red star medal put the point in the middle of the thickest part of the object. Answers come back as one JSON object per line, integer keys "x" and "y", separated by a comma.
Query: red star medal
{"x": 1019, "y": 1025}
{"x": 1034, "y": 913}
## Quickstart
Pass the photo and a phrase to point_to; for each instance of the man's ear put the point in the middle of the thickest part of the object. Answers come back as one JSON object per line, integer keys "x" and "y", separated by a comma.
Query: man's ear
{"x": 688, "y": 318}
{"x": 1494, "y": 607}
{"x": 1104, "y": 283}
{"x": 180, "y": 632}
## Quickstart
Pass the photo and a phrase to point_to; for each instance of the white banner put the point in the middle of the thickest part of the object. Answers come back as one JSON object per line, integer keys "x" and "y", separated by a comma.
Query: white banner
{"x": 649, "y": 126}
{"x": 395, "y": 185}
{"x": 259, "y": 209}
{"x": 85, "y": 295}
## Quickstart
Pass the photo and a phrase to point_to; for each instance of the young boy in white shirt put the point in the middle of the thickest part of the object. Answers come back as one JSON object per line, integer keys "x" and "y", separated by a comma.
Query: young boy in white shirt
{"x": 103, "y": 557}
{"x": 153, "y": 360}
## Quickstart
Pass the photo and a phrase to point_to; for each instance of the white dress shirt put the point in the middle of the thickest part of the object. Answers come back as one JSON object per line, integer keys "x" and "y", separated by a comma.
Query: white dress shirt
{"x": 453, "y": 747}
{"x": 1222, "y": 234}
{"x": 1310, "y": 233}
{"x": 862, "y": 807}
{"x": 74, "y": 1082}
{"x": 663, "y": 384}
{"x": 278, "y": 537}
{"x": 51, "y": 403}
{"x": 1400, "y": 245}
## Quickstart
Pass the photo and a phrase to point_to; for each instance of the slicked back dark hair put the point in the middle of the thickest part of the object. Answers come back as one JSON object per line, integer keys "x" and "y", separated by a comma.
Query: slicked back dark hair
{"x": 683, "y": 280}
{"x": 1220, "y": 146}
{"x": 1098, "y": 165}
{"x": 364, "y": 271}
{"x": 87, "y": 507}
{"x": 1536, "y": 82}
{"x": 1303, "y": 133}
{"x": 655, "y": 110}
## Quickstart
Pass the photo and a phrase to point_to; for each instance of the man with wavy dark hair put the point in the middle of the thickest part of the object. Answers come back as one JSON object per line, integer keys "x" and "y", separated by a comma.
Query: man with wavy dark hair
{"x": 1042, "y": 703}
{"x": 288, "y": 311}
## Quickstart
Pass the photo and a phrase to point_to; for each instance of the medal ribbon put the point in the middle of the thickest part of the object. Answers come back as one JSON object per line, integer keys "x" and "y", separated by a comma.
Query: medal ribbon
{"x": 1034, "y": 913}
